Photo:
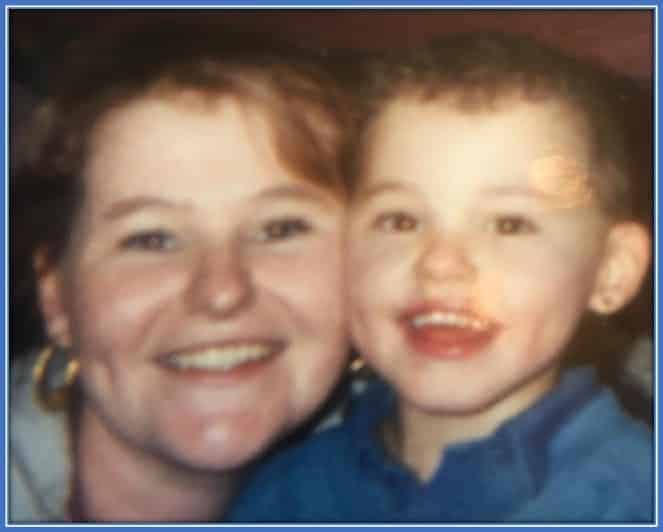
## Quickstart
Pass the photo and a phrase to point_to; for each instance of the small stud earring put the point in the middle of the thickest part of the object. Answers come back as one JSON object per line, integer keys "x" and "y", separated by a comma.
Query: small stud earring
{"x": 356, "y": 365}
{"x": 607, "y": 302}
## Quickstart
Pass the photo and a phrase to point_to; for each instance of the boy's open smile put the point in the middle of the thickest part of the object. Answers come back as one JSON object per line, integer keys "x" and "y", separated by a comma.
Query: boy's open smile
{"x": 437, "y": 331}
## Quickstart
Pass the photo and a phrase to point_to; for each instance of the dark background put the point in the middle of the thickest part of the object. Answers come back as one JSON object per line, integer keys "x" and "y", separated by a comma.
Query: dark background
{"x": 621, "y": 39}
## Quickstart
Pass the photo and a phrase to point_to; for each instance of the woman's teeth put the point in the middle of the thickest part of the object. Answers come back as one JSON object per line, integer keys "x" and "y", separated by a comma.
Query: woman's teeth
{"x": 220, "y": 358}
{"x": 448, "y": 319}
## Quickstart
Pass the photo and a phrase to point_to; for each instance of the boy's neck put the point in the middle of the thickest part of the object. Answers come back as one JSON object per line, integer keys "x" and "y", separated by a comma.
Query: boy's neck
{"x": 417, "y": 438}
{"x": 115, "y": 482}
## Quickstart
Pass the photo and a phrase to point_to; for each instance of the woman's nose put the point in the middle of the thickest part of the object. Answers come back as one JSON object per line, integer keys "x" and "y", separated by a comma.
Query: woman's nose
{"x": 445, "y": 258}
{"x": 221, "y": 284}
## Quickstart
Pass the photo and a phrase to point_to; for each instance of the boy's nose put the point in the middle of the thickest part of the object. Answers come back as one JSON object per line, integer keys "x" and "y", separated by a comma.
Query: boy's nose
{"x": 221, "y": 283}
{"x": 444, "y": 259}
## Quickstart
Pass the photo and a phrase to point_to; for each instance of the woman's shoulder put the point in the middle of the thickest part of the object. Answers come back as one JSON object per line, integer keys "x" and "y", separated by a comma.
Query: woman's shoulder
{"x": 342, "y": 437}
{"x": 285, "y": 482}
{"x": 38, "y": 455}
{"x": 301, "y": 482}
{"x": 23, "y": 405}
{"x": 310, "y": 454}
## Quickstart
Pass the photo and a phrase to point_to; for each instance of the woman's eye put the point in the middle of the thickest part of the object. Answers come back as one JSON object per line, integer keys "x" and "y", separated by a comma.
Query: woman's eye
{"x": 513, "y": 225}
{"x": 150, "y": 241}
{"x": 396, "y": 222}
{"x": 282, "y": 229}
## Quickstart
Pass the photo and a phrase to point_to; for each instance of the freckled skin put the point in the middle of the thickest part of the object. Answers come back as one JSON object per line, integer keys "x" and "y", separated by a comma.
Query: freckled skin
{"x": 209, "y": 276}
{"x": 469, "y": 223}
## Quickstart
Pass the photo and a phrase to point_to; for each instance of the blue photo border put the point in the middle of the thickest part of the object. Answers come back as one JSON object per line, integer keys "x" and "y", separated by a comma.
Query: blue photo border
{"x": 350, "y": 4}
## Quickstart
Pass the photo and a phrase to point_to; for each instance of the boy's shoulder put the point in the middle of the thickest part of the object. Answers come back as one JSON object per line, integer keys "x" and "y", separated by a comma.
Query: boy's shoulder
{"x": 601, "y": 463}
{"x": 603, "y": 431}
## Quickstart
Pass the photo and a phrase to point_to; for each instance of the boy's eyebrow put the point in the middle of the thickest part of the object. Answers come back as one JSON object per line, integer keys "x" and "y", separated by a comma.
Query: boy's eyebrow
{"x": 365, "y": 194}
{"x": 569, "y": 197}
{"x": 297, "y": 192}
{"x": 516, "y": 190}
{"x": 130, "y": 205}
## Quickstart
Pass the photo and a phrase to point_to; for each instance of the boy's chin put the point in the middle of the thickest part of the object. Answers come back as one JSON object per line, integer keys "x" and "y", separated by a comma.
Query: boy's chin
{"x": 474, "y": 400}
{"x": 458, "y": 406}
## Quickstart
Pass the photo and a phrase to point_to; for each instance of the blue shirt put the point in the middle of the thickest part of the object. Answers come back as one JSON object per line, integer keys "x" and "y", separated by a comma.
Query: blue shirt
{"x": 574, "y": 456}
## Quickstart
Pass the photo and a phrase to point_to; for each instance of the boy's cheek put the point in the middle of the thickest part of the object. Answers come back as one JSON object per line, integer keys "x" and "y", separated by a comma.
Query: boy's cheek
{"x": 527, "y": 292}
{"x": 372, "y": 281}
{"x": 380, "y": 256}
{"x": 539, "y": 254}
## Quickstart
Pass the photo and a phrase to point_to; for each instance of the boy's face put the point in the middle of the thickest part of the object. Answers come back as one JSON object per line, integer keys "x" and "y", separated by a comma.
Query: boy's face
{"x": 474, "y": 248}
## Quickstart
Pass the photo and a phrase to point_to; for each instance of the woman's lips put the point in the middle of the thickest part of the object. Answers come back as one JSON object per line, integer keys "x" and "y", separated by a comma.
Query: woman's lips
{"x": 440, "y": 332}
{"x": 224, "y": 358}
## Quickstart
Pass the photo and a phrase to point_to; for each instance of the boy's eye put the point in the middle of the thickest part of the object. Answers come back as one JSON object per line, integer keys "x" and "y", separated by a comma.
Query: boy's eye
{"x": 283, "y": 229}
{"x": 396, "y": 222}
{"x": 512, "y": 225}
{"x": 150, "y": 241}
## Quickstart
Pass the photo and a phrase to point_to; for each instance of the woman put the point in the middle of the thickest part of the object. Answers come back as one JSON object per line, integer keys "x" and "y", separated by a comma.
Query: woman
{"x": 183, "y": 214}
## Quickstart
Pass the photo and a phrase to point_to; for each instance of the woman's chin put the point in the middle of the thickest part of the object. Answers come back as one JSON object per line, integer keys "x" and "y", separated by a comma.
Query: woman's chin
{"x": 223, "y": 446}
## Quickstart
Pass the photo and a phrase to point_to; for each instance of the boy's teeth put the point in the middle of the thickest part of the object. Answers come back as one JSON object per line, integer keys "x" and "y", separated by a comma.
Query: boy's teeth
{"x": 224, "y": 358}
{"x": 448, "y": 319}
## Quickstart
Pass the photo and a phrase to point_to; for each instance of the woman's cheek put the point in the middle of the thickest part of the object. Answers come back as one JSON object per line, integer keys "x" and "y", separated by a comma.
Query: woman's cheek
{"x": 116, "y": 307}
{"x": 308, "y": 275}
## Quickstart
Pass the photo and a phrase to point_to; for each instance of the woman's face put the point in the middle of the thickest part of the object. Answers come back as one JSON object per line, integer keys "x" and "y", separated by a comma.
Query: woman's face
{"x": 202, "y": 289}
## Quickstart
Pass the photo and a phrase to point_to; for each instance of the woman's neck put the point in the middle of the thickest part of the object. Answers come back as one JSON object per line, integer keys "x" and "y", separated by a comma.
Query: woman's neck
{"x": 418, "y": 438}
{"x": 116, "y": 482}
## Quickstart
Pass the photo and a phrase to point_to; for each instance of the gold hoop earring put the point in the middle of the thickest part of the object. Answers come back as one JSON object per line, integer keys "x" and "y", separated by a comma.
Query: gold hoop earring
{"x": 52, "y": 379}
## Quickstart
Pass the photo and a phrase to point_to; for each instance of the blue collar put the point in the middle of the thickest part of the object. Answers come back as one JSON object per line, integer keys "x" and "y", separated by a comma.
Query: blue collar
{"x": 521, "y": 441}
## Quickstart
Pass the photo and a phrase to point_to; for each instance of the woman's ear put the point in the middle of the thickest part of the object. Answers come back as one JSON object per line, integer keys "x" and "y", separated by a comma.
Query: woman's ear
{"x": 624, "y": 265}
{"x": 50, "y": 294}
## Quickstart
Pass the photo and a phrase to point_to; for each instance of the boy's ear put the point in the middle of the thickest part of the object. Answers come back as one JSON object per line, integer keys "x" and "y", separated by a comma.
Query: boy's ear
{"x": 623, "y": 268}
{"x": 50, "y": 294}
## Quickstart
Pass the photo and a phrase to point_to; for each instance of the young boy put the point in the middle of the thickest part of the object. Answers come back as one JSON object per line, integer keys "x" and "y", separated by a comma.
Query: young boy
{"x": 492, "y": 211}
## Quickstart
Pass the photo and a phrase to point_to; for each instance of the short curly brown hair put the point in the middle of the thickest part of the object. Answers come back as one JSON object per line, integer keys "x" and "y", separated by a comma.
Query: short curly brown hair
{"x": 481, "y": 70}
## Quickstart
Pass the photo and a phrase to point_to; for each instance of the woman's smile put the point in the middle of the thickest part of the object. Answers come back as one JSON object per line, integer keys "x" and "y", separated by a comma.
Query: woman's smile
{"x": 222, "y": 357}
{"x": 214, "y": 263}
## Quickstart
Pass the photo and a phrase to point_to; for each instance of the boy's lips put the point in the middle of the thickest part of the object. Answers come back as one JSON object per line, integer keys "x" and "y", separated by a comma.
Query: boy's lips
{"x": 440, "y": 331}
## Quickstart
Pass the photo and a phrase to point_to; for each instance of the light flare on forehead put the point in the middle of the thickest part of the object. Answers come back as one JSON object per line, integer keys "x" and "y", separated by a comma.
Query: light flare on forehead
{"x": 563, "y": 179}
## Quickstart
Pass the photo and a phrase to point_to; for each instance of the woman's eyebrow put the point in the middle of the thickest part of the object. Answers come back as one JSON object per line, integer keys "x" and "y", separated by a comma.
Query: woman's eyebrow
{"x": 128, "y": 206}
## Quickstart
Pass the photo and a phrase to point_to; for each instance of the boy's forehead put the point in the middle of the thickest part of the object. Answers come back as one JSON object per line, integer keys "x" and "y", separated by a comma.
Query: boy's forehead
{"x": 541, "y": 145}
{"x": 564, "y": 180}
